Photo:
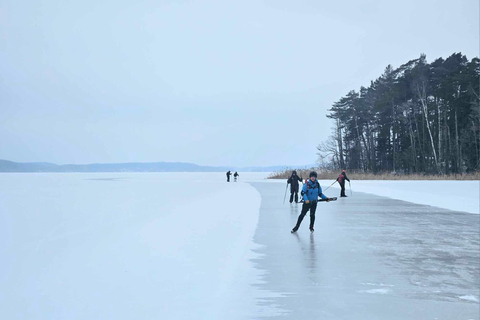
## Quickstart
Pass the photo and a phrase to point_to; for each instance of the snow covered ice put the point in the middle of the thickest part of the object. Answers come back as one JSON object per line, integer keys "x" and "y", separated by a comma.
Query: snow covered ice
{"x": 192, "y": 246}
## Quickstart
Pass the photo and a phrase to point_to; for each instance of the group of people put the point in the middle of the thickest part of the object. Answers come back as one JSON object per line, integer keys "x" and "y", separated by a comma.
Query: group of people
{"x": 294, "y": 180}
{"x": 311, "y": 191}
{"x": 235, "y": 176}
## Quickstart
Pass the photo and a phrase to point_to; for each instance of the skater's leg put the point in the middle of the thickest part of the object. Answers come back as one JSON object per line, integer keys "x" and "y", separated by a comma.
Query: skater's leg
{"x": 305, "y": 208}
{"x": 313, "y": 208}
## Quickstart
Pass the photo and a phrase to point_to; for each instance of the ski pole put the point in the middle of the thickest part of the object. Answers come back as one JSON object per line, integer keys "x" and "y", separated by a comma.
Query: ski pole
{"x": 285, "y": 193}
{"x": 330, "y": 185}
{"x": 350, "y": 188}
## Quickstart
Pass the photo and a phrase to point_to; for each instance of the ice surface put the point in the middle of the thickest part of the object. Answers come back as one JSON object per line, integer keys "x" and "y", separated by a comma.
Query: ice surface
{"x": 192, "y": 246}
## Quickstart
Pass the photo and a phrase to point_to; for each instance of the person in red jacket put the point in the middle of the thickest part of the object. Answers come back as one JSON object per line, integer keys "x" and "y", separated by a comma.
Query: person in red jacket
{"x": 341, "y": 181}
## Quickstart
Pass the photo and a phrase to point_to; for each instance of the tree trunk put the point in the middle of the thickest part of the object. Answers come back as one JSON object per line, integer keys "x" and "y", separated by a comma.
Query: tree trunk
{"x": 394, "y": 137}
{"x": 439, "y": 135}
{"x": 457, "y": 146}
{"x": 423, "y": 99}
{"x": 412, "y": 142}
{"x": 358, "y": 144}
{"x": 340, "y": 144}
{"x": 457, "y": 137}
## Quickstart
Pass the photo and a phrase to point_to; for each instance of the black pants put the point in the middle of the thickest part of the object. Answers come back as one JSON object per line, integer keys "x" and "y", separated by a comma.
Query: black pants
{"x": 312, "y": 206}
{"x": 296, "y": 196}
{"x": 342, "y": 192}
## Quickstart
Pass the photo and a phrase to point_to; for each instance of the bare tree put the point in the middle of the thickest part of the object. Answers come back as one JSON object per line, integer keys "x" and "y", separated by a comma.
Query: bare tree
{"x": 328, "y": 155}
{"x": 421, "y": 91}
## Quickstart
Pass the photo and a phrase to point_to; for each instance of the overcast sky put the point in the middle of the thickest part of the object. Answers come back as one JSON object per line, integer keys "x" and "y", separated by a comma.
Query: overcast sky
{"x": 236, "y": 83}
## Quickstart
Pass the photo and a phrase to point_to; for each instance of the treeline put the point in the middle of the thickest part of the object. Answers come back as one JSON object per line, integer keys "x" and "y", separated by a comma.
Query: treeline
{"x": 418, "y": 118}
{"x": 355, "y": 175}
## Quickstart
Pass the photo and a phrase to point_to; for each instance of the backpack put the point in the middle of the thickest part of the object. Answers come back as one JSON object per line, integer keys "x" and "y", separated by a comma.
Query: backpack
{"x": 317, "y": 185}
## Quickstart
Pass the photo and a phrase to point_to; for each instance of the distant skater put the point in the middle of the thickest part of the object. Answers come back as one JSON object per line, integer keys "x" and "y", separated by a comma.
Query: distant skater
{"x": 228, "y": 175}
{"x": 311, "y": 191}
{"x": 341, "y": 181}
{"x": 235, "y": 175}
{"x": 293, "y": 181}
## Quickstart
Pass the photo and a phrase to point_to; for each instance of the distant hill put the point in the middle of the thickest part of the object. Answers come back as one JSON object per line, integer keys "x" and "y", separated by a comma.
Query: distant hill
{"x": 10, "y": 166}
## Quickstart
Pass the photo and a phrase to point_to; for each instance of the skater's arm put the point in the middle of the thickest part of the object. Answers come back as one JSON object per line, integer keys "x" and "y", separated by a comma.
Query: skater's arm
{"x": 304, "y": 193}
{"x": 320, "y": 194}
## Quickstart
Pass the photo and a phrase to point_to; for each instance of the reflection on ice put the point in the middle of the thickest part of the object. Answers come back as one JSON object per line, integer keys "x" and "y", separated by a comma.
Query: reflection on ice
{"x": 369, "y": 258}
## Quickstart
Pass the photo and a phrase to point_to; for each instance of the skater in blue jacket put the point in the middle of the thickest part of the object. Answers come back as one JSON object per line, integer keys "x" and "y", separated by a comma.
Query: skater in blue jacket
{"x": 311, "y": 191}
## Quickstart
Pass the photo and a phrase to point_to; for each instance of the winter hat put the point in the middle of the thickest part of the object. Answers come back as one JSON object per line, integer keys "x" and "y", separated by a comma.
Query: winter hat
{"x": 313, "y": 174}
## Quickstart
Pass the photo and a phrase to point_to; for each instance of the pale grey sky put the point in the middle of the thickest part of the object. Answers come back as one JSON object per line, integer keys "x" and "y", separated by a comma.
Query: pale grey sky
{"x": 210, "y": 82}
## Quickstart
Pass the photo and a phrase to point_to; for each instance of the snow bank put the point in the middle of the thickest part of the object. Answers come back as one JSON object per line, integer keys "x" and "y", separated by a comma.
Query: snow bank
{"x": 453, "y": 195}
{"x": 125, "y": 246}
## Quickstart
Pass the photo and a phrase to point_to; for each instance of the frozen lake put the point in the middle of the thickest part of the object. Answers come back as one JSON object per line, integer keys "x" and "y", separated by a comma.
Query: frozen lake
{"x": 370, "y": 257}
{"x": 191, "y": 246}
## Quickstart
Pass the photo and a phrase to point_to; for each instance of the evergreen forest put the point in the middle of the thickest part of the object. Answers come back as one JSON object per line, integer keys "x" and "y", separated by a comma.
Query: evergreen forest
{"x": 418, "y": 118}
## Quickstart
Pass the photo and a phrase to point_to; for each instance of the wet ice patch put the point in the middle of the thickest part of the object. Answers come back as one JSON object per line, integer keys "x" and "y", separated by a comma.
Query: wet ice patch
{"x": 469, "y": 298}
{"x": 106, "y": 179}
{"x": 375, "y": 291}
{"x": 376, "y": 284}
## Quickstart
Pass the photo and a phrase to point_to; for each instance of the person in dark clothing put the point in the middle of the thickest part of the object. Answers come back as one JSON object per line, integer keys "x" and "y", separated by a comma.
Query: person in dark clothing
{"x": 311, "y": 191}
{"x": 293, "y": 181}
{"x": 235, "y": 175}
{"x": 341, "y": 181}
{"x": 228, "y": 175}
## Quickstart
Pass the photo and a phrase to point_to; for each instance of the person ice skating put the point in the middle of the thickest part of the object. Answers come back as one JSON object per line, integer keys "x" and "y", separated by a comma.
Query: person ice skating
{"x": 228, "y": 175}
{"x": 341, "y": 181}
{"x": 311, "y": 191}
{"x": 293, "y": 181}
{"x": 235, "y": 175}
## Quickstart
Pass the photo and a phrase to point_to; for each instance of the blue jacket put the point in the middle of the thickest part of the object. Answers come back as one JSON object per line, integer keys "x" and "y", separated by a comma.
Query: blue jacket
{"x": 312, "y": 190}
